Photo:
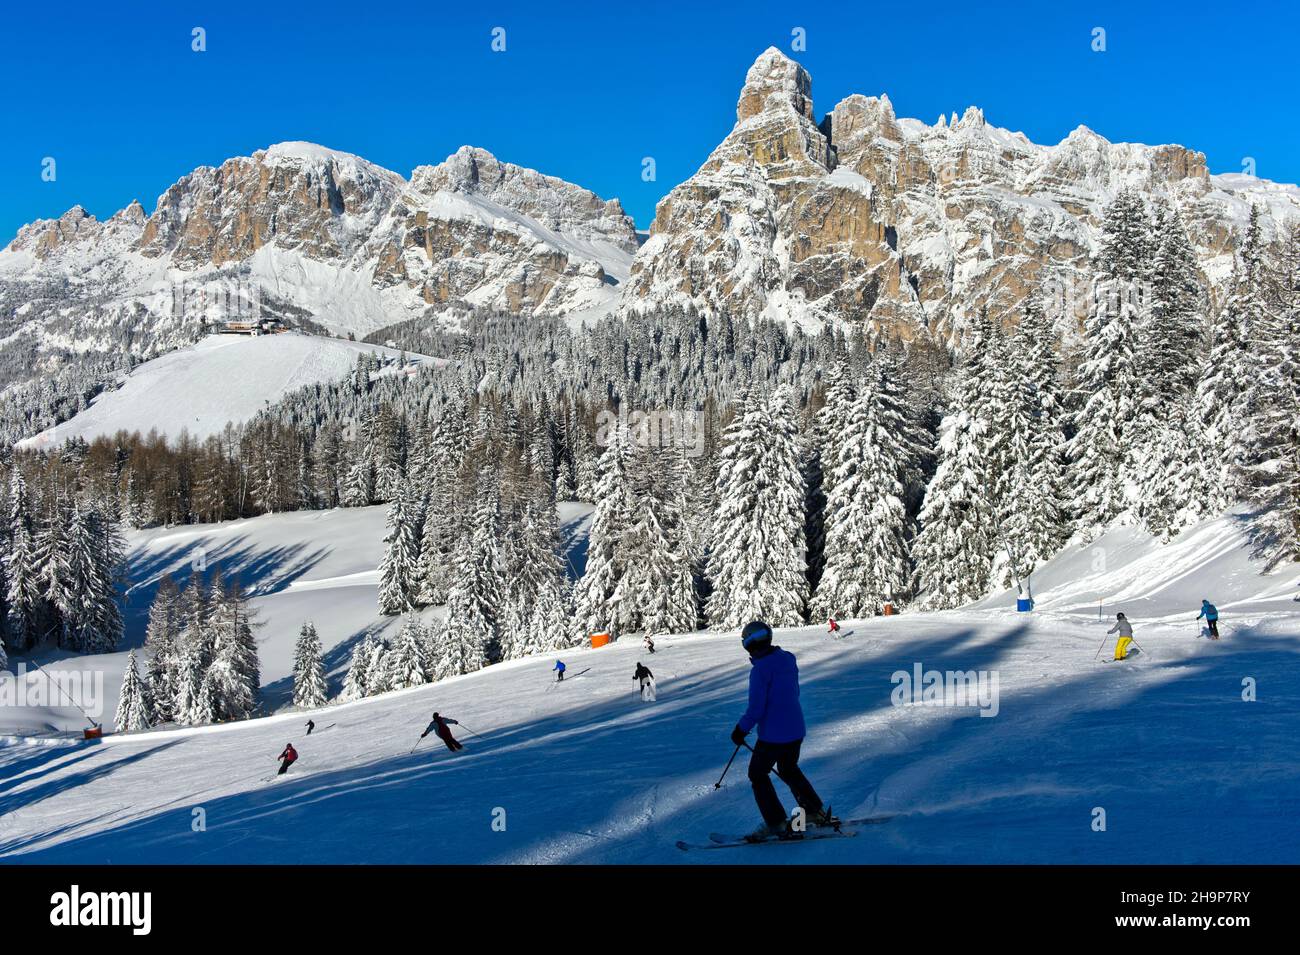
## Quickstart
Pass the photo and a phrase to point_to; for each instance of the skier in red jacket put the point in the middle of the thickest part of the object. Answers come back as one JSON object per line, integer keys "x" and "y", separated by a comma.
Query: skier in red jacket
{"x": 439, "y": 726}
{"x": 290, "y": 756}
{"x": 835, "y": 627}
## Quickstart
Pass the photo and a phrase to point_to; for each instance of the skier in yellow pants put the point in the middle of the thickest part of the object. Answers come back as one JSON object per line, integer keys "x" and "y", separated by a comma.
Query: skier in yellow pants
{"x": 1125, "y": 631}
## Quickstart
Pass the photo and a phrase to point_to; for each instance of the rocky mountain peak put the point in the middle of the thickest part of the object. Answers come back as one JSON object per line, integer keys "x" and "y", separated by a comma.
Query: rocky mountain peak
{"x": 775, "y": 82}
{"x": 901, "y": 226}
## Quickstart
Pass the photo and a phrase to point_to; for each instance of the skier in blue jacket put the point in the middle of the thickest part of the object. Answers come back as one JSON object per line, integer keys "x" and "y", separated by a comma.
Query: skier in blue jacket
{"x": 1211, "y": 615}
{"x": 774, "y": 709}
{"x": 559, "y": 671}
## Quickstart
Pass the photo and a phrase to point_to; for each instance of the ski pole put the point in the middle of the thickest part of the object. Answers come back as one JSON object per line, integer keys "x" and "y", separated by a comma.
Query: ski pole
{"x": 718, "y": 784}
{"x": 468, "y": 730}
{"x": 1099, "y": 649}
{"x": 416, "y": 746}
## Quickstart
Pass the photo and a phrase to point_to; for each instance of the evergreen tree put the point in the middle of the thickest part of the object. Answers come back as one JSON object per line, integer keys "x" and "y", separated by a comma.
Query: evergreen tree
{"x": 398, "y": 571}
{"x": 594, "y": 594}
{"x": 758, "y": 566}
{"x": 133, "y": 702}
{"x": 356, "y": 683}
{"x": 309, "y": 689}
{"x": 1109, "y": 383}
{"x": 406, "y": 663}
{"x": 867, "y": 527}
{"x": 234, "y": 667}
{"x": 23, "y": 603}
{"x": 161, "y": 643}
{"x": 954, "y": 547}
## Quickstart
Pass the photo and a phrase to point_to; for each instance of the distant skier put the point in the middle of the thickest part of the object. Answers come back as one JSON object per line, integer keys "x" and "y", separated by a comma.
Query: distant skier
{"x": 645, "y": 678}
{"x": 774, "y": 709}
{"x": 1211, "y": 615}
{"x": 439, "y": 726}
{"x": 649, "y": 643}
{"x": 290, "y": 756}
{"x": 1125, "y": 631}
{"x": 835, "y": 627}
{"x": 311, "y": 725}
{"x": 559, "y": 671}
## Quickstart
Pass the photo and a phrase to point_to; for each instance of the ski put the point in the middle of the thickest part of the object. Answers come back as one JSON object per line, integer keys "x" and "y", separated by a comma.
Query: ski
{"x": 844, "y": 828}
{"x": 718, "y": 841}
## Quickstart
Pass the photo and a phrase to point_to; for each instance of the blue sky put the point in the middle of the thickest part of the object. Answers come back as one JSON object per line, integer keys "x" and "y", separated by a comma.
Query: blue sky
{"x": 585, "y": 91}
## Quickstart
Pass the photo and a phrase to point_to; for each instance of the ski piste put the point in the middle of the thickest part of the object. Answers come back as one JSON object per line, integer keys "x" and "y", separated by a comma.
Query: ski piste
{"x": 846, "y": 828}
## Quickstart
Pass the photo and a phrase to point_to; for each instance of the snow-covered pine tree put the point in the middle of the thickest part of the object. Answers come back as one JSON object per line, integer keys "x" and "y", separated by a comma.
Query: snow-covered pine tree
{"x": 1028, "y": 416}
{"x": 160, "y": 642}
{"x": 469, "y": 628}
{"x": 656, "y": 593}
{"x": 24, "y": 596}
{"x": 1272, "y": 466}
{"x": 108, "y": 563}
{"x": 133, "y": 702}
{"x": 82, "y": 586}
{"x": 821, "y": 456}
{"x": 54, "y": 574}
{"x": 309, "y": 689}
{"x": 1221, "y": 441}
{"x": 954, "y": 547}
{"x": 357, "y": 680}
{"x": 207, "y": 701}
{"x": 594, "y": 594}
{"x": 398, "y": 570}
{"x": 1109, "y": 382}
{"x": 472, "y": 636}
{"x": 235, "y": 665}
{"x": 867, "y": 526}
{"x": 407, "y": 662}
{"x": 376, "y": 666}
{"x": 538, "y": 612}
{"x": 758, "y": 566}
{"x": 1102, "y": 448}
{"x": 1171, "y": 346}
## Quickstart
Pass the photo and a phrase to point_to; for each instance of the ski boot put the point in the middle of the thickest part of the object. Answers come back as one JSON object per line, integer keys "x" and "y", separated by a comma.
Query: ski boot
{"x": 765, "y": 832}
{"x": 824, "y": 819}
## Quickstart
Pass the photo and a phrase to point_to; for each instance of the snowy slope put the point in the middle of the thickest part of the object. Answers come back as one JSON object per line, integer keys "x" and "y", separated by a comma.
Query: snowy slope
{"x": 220, "y": 379}
{"x": 1186, "y": 771}
{"x": 307, "y": 565}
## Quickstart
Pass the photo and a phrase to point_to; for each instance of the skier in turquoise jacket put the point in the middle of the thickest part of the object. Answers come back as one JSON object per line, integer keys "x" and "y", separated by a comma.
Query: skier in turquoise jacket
{"x": 1211, "y": 615}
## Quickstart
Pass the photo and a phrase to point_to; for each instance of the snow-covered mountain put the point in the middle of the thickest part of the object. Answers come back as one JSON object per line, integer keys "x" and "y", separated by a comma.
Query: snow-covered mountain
{"x": 1163, "y": 741}
{"x": 318, "y": 238}
{"x": 859, "y": 218}
{"x": 350, "y": 244}
{"x": 863, "y": 216}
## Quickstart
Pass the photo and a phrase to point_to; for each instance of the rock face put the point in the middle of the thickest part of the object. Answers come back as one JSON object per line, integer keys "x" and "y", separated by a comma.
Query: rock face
{"x": 352, "y": 245}
{"x": 868, "y": 219}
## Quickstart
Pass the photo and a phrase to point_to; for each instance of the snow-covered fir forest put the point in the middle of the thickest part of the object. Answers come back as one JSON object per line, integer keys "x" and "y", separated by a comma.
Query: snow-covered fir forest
{"x": 834, "y": 474}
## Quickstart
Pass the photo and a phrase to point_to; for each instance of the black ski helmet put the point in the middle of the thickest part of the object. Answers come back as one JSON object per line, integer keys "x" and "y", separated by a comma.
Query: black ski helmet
{"x": 755, "y": 635}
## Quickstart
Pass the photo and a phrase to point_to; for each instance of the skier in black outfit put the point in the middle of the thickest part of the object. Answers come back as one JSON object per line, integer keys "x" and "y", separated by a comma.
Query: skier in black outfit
{"x": 311, "y": 725}
{"x": 439, "y": 726}
{"x": 774, "y": 709}
{"x": 643, "y": 675}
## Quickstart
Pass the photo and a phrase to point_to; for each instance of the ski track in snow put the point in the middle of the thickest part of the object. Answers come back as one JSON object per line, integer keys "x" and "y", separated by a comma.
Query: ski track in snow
{"x": 586, "y": 773}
